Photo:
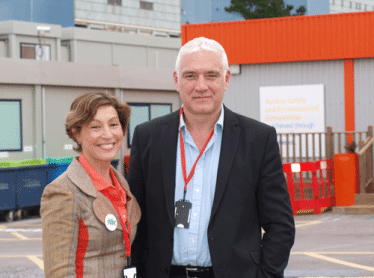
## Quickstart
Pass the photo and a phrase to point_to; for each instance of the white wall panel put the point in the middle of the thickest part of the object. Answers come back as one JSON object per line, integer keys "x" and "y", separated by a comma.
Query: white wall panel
{"x": 364, "y": 93}
{"x": 129, "y": 55}
{"x": 94, "y": 53}
{"x": 3, "y": 49}
{"x": 243, "y": 93}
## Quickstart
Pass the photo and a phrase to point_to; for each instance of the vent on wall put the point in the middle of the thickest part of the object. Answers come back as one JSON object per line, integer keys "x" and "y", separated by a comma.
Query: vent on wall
{"x": 115, "y": 2}
{"x": 144, "y": 5}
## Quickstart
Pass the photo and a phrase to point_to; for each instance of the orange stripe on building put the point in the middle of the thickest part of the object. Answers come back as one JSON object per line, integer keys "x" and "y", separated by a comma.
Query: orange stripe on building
{"x": 349, "y": 97}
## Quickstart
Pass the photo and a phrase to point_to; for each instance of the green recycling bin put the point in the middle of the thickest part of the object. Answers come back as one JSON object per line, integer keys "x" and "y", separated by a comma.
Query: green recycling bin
{"x": 57, "y": 165}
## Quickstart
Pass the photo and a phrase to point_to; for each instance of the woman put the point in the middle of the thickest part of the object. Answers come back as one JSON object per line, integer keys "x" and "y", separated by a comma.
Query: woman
{"x": 89, "y": 215}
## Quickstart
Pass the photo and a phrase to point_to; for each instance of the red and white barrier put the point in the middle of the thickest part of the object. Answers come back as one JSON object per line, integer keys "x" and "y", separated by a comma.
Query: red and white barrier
{"x": 318, "y": 177}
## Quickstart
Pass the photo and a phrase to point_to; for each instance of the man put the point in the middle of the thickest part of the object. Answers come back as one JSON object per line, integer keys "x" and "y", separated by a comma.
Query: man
{"x": 207, "y": 180}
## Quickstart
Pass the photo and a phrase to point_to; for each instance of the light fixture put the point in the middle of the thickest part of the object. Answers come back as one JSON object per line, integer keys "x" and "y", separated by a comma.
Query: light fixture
{"x": 43, "y": 28}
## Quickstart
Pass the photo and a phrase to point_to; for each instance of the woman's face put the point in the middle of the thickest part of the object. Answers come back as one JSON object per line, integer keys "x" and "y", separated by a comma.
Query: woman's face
{"x": 102, "y": 138}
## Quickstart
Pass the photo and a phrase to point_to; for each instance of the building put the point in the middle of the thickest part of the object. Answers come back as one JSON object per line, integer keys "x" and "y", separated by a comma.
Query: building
{"x": 197, "y": 11}
{"x": 51, "y": 51}
{"x": 41, "y": 11}
{"x": 43, "y": 68}
{"x": 333, "y": 52}
{"x": 156, "y": 17}
{"x": 347, "y": 6}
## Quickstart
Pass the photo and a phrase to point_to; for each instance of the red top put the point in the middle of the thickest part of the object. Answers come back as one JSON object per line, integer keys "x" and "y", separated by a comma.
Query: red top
{"x": 116, "y": 194}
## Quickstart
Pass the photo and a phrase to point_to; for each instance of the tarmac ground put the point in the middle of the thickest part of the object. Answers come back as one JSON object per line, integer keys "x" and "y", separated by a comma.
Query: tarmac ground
{"x": 333, "y": 245}
{"x": 327, "y": 245}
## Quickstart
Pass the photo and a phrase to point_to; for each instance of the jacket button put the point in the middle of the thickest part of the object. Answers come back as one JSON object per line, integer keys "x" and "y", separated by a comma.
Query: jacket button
{"x": 166, "y": 270}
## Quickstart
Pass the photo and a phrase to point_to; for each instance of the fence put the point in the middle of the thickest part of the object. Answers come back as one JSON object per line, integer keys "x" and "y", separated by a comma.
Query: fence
{"x": 303, "y": 147}
{"x": 365, "y": 158}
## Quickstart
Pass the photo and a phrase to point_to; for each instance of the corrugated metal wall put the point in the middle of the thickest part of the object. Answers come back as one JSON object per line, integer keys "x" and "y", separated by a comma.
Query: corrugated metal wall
{"x": 243, "y": 93}
{"x": 290, "y": 39}
{"x": 364, "y": 93}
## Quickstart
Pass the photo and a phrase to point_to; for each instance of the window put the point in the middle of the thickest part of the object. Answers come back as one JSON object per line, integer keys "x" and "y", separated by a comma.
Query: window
{"x": 35, "y": 51}
{"x": 10, "y": 125}
{"x": 144, "y": 5}
{"x": 143, "y": 112}
{"x": 115, "y": 2}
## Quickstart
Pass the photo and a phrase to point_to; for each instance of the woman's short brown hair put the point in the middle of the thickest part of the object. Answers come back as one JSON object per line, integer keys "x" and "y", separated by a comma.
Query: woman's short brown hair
{"x": 84, "y": 108}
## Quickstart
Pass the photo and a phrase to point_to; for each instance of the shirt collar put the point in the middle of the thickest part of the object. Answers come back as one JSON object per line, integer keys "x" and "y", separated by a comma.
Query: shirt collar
{"x": 98, "y": 181}
{"x": 219, "y": 123}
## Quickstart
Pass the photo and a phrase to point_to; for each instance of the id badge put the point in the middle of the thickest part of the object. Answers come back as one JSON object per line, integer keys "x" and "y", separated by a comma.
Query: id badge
{"x": 182, "y": 214}
{"x": 129, "y": 272}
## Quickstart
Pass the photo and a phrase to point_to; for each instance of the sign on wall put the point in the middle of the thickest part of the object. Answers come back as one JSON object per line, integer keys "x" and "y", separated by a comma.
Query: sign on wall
{"x": 295, "y": 109}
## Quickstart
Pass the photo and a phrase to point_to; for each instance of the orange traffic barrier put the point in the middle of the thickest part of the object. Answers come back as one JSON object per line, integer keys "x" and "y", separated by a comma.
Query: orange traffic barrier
{"x": 346, "y": 178}
{"x": 311, "y": 185}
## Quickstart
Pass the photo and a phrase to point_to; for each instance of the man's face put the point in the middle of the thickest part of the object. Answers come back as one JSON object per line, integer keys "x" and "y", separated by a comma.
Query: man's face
{"x": 201, "y": 82}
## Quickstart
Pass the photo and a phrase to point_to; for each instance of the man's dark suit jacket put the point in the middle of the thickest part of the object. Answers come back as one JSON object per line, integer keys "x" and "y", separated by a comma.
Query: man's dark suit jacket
{"x": 251, "y": 193}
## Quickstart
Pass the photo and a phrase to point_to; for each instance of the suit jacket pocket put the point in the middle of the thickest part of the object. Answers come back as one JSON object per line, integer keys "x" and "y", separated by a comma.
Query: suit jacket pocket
{"x": 256, "y": 256}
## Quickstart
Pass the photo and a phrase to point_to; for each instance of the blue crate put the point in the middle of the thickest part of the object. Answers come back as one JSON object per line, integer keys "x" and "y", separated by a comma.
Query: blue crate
{"x": 8, "y": 189}
{"x": 57, "y": 165}
{"x": 115, "y": 163}
{"x": 31, "y": 181}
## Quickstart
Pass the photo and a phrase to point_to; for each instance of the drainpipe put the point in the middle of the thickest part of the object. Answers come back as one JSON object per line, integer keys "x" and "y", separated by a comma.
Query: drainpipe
{"x": 44, "y": 152}
{"x": 121, "y": 153}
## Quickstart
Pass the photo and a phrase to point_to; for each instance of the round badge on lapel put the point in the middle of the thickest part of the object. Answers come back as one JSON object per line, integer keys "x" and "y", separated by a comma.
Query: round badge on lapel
{"x": 110, "y": 222}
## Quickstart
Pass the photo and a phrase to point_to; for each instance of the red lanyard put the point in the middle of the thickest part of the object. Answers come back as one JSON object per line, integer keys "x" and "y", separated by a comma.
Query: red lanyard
{"x": 114, "y": 195}
{"x": 183, "y": 157}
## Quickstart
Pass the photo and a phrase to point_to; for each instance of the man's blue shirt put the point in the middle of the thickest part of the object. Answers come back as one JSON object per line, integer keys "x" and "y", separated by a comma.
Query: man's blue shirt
{"x": 191, "y": 245}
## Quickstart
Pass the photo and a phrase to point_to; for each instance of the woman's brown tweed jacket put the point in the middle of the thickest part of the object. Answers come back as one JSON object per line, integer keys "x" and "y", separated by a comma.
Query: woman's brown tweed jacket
{"x": 71, "y": 210}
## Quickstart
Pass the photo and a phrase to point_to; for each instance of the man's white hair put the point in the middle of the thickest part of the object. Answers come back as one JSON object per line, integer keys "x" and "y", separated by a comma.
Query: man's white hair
{"x": 199, "y": 44}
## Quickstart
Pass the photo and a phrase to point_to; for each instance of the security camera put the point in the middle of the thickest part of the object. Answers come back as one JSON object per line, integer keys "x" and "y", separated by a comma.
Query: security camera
{"x": 43, "y": 28}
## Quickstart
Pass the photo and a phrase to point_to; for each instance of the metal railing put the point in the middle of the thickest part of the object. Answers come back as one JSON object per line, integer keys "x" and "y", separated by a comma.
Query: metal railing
{"x": 127, "y": 28}
{"x": 304, "y": 147}
{"x": 301, "y": 147}
{"x": 365, "y": 158}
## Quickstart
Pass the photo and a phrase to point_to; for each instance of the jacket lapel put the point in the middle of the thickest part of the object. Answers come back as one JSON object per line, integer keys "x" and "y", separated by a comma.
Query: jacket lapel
{"x": 102, "y": 205}
{"x": 169, "y": 138}
{"x": 132, "y": 206}
{"x": 230, "y": 139}
{"x": 80, "y": 178}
